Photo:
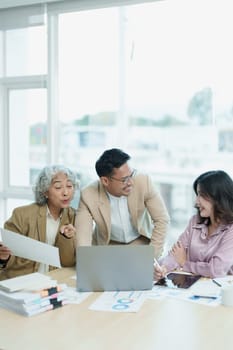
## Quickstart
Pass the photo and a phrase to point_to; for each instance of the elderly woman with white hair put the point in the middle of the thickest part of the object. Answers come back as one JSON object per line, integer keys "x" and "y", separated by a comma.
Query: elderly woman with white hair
{"x": 50, "y": 219}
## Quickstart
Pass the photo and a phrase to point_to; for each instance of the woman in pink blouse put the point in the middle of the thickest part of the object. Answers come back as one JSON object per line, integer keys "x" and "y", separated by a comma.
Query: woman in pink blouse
{"x": 206, "y": 246}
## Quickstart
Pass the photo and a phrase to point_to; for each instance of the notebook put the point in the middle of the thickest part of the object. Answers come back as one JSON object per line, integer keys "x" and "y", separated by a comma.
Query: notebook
{"x": 114, "y": 268}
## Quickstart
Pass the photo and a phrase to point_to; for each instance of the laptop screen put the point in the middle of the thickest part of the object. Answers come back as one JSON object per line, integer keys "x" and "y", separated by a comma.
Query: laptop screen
{"x": 114, "y": 268}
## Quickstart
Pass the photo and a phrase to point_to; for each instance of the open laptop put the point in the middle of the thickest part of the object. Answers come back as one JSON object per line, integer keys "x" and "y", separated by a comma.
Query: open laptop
{"x": 113, "y": 268}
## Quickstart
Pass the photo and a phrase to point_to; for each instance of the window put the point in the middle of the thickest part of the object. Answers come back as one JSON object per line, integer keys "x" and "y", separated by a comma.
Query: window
{"x": 148, "y": 78}
{"x": 26, "y": 51}
{"x": 27, "y": 135}
{"x": 88, "y": 85}
{"x": 23, "y": 96}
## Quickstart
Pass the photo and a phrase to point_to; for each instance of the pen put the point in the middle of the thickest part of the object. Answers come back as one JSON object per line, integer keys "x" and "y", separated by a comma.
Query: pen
{"x": 204, "y": 296}
{"x": 156, "y": 264}
{"x": 218, "y": 284}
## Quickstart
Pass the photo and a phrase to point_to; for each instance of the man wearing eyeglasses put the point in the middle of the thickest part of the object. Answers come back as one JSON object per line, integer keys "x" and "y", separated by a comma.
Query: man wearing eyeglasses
{"x": 122, "y": 207}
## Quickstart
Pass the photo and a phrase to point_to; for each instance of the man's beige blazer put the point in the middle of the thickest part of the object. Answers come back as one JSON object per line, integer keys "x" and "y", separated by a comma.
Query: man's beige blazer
{"x": 149, "y": 215}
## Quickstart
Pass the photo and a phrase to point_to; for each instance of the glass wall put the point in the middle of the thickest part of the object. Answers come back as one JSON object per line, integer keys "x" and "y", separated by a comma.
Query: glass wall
{"x": 26, "y": 51}
{"x": 148, "y": 79}
{"x": 154, "y": 79}
{"x": 23, "y": 95}
{"x": 27, "y": 118}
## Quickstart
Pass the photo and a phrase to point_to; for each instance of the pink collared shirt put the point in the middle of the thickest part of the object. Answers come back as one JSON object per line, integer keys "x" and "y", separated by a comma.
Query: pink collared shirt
{"x": 206, "y": 256}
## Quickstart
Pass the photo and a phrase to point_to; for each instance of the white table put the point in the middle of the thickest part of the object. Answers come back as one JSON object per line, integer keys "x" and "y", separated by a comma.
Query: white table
{"x": 159, "y": 325}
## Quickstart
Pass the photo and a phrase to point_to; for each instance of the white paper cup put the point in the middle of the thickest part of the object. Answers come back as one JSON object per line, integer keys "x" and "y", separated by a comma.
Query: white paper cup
{"x": 227, "y": 296}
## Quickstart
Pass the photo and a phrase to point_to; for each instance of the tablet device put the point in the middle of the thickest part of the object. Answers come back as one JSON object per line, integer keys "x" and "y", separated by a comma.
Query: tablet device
{"x": 178, "y": 280}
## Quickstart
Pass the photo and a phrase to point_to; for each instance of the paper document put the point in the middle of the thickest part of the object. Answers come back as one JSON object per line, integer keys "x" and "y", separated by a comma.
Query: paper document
{"x": 75, "y": 297}
{"x": 224, "y": 281}
{"x": 32, "y": 281}
{"x": 159, "y": 292}
{"x": 29, "y": 248}
{"x": 124, "y": 301}
{"x": 205, "y": 288}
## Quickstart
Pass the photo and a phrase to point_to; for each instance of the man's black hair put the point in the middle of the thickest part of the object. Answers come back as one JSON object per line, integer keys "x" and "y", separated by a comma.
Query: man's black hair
{"x": 110, "y": 159}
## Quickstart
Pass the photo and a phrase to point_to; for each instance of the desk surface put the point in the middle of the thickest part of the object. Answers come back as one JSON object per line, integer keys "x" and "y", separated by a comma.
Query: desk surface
{"x": 159, "y": 324}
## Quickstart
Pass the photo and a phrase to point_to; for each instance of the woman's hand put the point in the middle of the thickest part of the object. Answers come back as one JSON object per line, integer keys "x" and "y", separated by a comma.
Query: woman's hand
{"x": 179, "y": 253}
{"x": 68, "y": 231}
{"x": 5, "y": 252}
{"x": 159, "y": 272}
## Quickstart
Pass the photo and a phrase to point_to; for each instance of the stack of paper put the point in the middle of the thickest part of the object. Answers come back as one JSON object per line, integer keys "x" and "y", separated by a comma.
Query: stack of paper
{"x": 32, "y": 294}
{"x": 33, "y": 281}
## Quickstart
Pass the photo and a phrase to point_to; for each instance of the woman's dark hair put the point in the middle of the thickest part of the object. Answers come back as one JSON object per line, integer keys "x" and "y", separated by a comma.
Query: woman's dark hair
{"x": 217, "y": 186}
{"x": 110, "y": 159}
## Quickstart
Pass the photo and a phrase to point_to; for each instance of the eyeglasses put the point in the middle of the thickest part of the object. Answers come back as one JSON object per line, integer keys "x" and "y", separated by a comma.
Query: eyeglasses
{"x": 125, "y": 179}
